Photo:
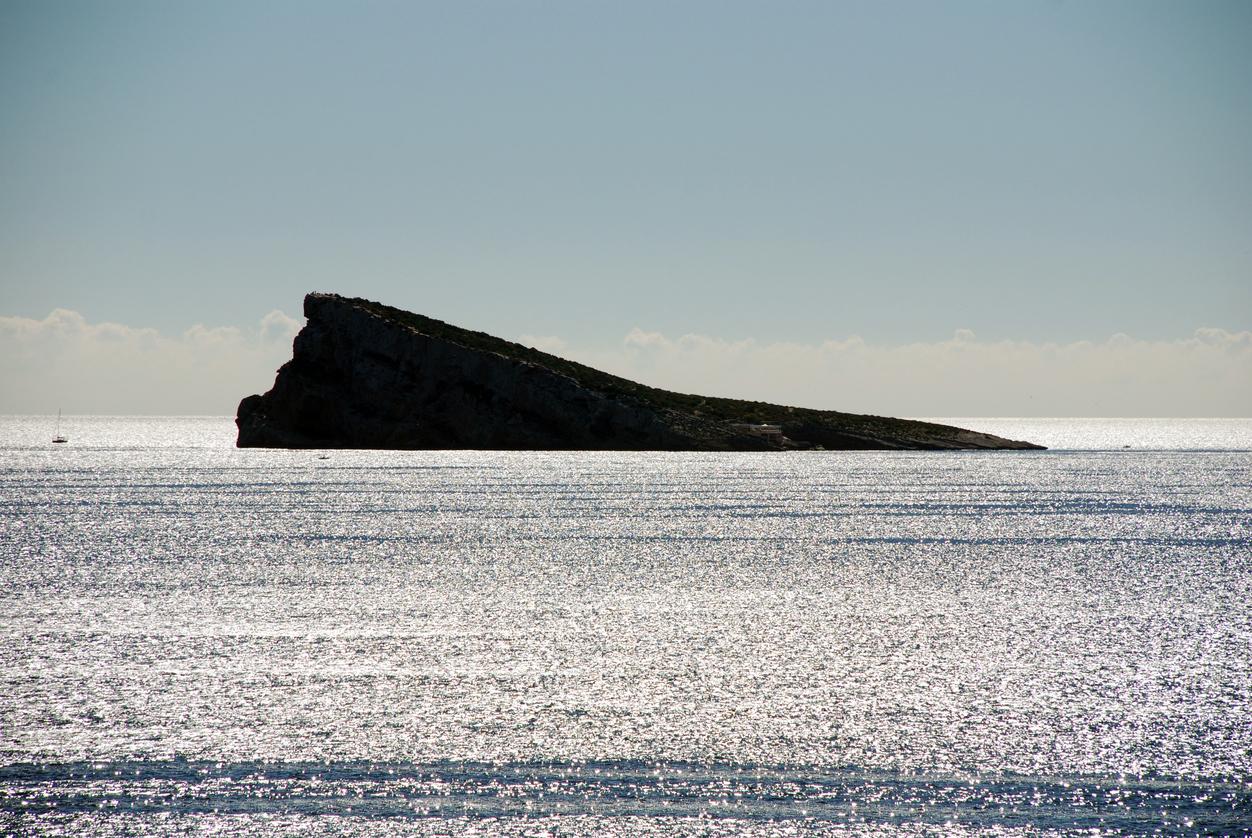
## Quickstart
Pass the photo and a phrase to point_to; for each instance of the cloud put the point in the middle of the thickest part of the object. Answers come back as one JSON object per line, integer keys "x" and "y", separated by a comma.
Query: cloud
{"x": 551, "y": 344}
{"x": 277, "y": 326}
{"x": 1206, "y": 374}
{"x": 65, "y": 361}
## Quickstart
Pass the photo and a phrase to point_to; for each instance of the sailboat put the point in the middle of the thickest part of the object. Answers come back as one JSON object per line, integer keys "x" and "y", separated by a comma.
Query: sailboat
{"x": 58, "y": 437}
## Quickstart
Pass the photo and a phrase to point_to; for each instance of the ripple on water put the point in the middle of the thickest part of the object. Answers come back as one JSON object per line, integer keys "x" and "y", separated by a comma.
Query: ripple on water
{"x": 207, "y": 638}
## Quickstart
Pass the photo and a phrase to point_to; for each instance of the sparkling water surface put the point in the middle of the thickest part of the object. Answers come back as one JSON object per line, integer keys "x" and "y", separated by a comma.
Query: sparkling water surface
{"x": 198, "y": 638}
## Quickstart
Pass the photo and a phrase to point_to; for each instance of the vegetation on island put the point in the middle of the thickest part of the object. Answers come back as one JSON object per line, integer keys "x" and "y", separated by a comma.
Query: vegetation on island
{"x": 807, "y": 426}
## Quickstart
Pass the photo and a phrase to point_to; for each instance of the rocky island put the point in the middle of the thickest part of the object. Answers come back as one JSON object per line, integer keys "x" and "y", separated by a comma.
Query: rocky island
{"x": 366, "y": 375}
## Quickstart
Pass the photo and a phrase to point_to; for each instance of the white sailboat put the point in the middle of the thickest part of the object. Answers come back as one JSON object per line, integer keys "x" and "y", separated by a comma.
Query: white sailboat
{"x": 58, "y": 437}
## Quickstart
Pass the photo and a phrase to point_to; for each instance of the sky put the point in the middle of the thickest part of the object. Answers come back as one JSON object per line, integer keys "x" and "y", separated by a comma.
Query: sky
{"x": 916, "y": 208}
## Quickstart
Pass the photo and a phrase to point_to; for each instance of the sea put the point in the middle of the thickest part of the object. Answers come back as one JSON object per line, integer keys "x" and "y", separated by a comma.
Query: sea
{"x": 202, "y": 640}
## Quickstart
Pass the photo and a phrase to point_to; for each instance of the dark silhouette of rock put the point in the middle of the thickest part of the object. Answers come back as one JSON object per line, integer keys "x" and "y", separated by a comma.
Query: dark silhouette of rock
{"x": 366, "y": 375}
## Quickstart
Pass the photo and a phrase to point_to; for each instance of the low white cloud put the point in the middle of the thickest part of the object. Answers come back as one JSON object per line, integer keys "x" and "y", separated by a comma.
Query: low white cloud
{"x": 1206, "y": 374}
{"x": 277, "y": 326}
{"x": 63, "y": 361}
{"x": 551, "y": 344}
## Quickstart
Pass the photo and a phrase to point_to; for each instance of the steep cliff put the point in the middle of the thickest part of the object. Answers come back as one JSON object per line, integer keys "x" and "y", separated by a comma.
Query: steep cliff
{"x": 365, "y": 375}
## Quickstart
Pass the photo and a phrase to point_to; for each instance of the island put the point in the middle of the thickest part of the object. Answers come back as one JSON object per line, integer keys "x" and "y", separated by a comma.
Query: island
{"x": 366, "y": 375}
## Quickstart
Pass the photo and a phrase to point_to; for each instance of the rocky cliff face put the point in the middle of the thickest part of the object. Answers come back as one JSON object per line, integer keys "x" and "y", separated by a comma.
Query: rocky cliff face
{"x": 364, "y": 375}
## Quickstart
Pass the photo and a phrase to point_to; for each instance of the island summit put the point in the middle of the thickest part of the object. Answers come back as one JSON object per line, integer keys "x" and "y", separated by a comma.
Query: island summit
{"x": 366, "y": 375}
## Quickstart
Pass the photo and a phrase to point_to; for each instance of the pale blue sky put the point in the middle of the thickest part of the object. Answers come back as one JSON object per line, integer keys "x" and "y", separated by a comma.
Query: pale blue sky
{"x": 1042, "y": 171}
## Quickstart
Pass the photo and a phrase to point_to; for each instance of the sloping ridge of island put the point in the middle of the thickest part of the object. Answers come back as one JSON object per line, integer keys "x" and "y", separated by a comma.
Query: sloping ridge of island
{"x": 366, "y": 375}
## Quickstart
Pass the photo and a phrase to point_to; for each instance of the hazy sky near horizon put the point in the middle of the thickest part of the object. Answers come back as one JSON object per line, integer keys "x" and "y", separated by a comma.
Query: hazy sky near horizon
{"x": 1065, "y": 184}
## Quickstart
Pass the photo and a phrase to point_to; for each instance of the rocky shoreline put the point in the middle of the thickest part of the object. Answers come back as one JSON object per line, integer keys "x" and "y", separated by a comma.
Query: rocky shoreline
{"x": 366, "y": 375}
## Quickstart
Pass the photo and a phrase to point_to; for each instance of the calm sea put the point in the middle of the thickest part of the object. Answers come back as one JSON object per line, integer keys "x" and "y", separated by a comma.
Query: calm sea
{"x": 198, "y": 639}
